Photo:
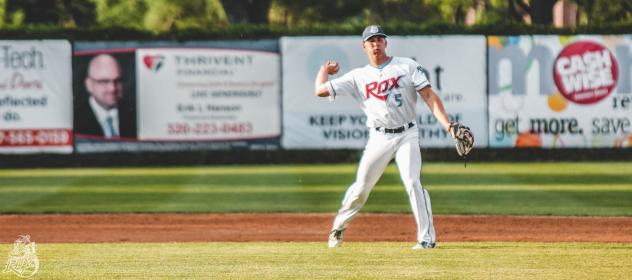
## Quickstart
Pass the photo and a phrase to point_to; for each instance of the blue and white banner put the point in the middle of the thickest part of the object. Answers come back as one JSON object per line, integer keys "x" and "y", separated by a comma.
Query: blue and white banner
{"x": 455, "y": 66}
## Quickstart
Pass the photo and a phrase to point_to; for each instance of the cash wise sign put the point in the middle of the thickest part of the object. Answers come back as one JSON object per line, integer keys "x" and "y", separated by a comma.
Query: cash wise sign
{"x": 560, "y": 91}
{"x": 585, "y": 72}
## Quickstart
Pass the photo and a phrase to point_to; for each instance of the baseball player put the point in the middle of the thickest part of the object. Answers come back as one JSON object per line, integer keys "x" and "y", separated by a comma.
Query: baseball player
{"x": 387, "y": 90}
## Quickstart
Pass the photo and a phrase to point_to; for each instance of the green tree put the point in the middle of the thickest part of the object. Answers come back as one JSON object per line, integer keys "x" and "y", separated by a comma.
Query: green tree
{"x": 247, "y": 11}
{"x": 307, "y": 12}
{"x": 3, "y": 9}
{"x": 605, "y": 11}
{"x": 81, "y": 13}
{"x": 539, "y": 11}
{"x": 53, "y": 12}
{"x": 34, "y": 11}
{"x": 359, "y": 12}
{"x": 169, "y": 14}
{"x": 452, "y": 11}
{"x": 124, "y": 13}
{"x": 394, "y": 11}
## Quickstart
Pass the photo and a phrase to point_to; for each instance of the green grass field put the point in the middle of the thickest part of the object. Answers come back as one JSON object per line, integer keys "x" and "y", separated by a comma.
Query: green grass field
{"x": 596, "y": 189}
{"x": 308, "y": 260}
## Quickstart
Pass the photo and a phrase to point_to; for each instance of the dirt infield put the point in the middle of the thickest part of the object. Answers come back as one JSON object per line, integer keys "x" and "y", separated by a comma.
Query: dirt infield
{"x": 305, "y": 227}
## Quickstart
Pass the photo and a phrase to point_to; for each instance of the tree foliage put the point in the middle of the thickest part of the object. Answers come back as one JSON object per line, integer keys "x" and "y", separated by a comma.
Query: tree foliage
{"x": 309, "y": 12}
{"x": 177, "y": 14}
{"x": 247, "y": 11}
{"x": 66, "y": 13}
{"x": 537, "y": 11}
{"x": 453, "y": 10}
{"x": 606, "y": 11}
{"x": 164, "y": 15}
{"x": 129, "y": 13}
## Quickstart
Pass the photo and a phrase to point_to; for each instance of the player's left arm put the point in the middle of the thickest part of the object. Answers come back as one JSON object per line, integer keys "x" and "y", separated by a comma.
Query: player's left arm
{"x": 436, "y": 106}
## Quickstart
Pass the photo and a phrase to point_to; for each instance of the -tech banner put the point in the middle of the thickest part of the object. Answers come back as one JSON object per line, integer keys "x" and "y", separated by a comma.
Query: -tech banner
{"x": 35, "y": 96}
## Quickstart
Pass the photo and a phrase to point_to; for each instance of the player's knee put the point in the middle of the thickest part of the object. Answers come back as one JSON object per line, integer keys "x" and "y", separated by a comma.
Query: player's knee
{"x": 358, "y": 198}
{"x": 365, "y": 181}
{"x": 412, "y": 183}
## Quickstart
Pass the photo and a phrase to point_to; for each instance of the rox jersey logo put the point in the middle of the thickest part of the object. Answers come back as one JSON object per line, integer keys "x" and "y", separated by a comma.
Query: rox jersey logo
{"x": 380, "y": 90}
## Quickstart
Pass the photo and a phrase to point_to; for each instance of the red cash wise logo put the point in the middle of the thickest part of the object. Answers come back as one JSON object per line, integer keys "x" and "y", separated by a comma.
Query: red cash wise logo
{"x": 585, "y": 72}
{"x": 153, "y": 62}
{"x": 380, "y": 90}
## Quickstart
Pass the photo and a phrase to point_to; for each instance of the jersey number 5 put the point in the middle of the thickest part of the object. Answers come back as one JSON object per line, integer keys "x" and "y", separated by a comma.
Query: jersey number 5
{"x": 398, "y": 99}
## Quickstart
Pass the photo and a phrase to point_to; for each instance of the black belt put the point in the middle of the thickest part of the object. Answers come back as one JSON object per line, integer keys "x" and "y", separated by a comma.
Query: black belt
{"x": 395, "y": 130}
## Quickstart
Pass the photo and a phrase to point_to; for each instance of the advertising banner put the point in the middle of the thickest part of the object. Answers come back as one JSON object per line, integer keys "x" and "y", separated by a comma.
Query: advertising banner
{"x": 174, "y": 96}
{"x": 208, "y": 94}
{"x": 104, "y": 81}
{"x": 560, "y": 91}
{"x": 455, "y": 66}
{"x": 35, "y": 96}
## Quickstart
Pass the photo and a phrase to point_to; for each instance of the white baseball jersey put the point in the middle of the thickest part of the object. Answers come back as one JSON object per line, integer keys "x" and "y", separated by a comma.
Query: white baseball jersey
{"x": 387, "y": 94}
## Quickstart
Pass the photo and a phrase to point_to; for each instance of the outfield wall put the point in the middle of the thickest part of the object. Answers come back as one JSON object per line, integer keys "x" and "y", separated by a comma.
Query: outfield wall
{"x": 236, "y": 96}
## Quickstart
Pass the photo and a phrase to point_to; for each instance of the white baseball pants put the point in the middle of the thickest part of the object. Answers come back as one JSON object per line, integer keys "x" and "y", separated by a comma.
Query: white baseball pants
{"x": 378, "y": 152}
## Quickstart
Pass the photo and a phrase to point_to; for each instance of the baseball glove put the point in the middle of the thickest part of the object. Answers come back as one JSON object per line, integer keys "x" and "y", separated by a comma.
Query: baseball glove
{"x": 463, "y": 138}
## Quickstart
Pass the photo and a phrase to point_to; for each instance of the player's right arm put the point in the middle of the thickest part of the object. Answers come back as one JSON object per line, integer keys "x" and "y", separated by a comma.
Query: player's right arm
{"x": 322, "y": 77}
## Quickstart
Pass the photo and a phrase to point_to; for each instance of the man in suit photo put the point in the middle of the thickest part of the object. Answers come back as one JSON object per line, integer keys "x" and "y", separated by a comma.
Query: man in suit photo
{"x": 102, "y": 115}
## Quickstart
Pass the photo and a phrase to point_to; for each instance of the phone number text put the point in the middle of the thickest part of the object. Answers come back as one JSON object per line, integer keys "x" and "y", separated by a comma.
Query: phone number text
{"x": 210, "y": 128}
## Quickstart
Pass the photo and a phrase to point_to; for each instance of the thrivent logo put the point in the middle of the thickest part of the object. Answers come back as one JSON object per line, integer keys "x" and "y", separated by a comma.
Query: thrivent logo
{"x": 153, "y": 62}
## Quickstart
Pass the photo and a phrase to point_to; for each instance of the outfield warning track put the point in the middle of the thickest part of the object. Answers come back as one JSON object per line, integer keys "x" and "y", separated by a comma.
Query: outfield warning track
{"x": 95, "y": 228}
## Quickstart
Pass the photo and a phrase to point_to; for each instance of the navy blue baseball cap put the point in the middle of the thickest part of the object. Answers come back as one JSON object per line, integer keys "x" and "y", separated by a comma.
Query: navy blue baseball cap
{"x": 372, "y": 30}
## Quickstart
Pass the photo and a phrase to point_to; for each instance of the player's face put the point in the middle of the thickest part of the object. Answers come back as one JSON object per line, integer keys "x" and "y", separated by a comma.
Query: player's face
{"x": 375, "y": 46}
